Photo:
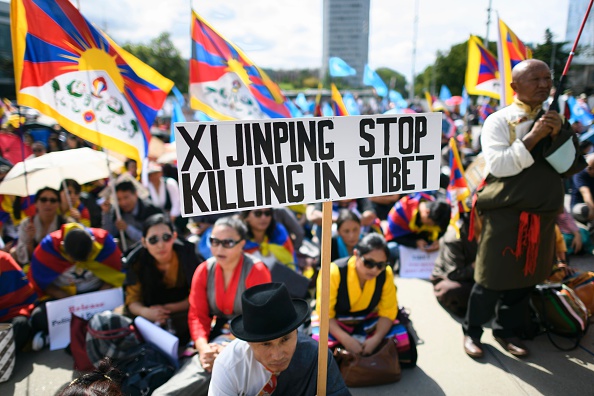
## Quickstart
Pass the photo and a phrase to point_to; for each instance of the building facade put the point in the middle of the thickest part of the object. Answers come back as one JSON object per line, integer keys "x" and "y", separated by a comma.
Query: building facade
{"x": 581, "y": 73}
{"x": 7, "y": 88}
{"x": 346, "y": 35}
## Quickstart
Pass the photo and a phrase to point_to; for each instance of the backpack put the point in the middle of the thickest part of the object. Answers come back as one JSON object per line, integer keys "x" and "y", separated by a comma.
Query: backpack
{"x": 145, "y": 369}
{"x": 110, "y": 335}
{"x": 560, "y": 311}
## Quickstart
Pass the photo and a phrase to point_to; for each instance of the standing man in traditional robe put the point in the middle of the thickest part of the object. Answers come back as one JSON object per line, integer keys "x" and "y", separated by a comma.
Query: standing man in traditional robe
{"x": 527, "y": 152}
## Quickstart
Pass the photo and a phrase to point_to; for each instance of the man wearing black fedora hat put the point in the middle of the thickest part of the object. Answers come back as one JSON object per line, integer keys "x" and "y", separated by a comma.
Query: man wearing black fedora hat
{"x": 269, "y": 356}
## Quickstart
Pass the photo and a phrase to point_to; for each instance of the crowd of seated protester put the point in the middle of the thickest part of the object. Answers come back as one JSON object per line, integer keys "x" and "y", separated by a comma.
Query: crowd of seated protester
{"x": 188, "y": 275}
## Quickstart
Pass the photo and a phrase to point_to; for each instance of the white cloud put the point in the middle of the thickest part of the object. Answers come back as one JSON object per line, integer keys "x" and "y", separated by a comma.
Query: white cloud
{"x": 286, "y": 34}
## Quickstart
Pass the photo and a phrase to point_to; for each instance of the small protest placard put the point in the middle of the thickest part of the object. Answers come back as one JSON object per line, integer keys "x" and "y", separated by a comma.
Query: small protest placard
{"x": 83, "y": 305}
{"x": 227, "y": 166}
{"x": 416, "y": 263}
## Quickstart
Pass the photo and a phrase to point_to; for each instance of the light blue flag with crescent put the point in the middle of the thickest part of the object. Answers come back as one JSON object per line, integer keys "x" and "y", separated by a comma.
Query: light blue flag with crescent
{"x": 465, "y": 102}
{"x": 327, "y": 110}
{"x": 339, "y": 68}
{"x": 301, "y": 101}
{"x": 444, "y": 93}
{"x": 397, "y": 99}
{"x": 178, "y": 95}
{"x": 177, "y": 115}
{"x": 370, "y": 77}
{"x": 351, "y": 104}
{"x": 201, "y": 116}
{"x": 295, "y": 111}
{"x": 579, "y": 112}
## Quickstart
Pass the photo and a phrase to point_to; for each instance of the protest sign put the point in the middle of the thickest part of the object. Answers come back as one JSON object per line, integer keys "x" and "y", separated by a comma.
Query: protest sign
{"x": 83, "y": 305}
{"x": 237, "y": 165}
{"x": 416, "y": 263}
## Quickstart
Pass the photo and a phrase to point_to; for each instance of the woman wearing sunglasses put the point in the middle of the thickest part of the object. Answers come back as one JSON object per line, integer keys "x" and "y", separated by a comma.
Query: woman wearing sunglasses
{"x": 46, "y": 220}
{"x": 216, "y": 292}
{"x": 267, "y": 239}
{"x": 160, "y": 272}
{"x": 363, "y": 303}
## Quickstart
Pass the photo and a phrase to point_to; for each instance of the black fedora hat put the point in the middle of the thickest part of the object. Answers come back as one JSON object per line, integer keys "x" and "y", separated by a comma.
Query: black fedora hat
{"x": 269, "y": 313}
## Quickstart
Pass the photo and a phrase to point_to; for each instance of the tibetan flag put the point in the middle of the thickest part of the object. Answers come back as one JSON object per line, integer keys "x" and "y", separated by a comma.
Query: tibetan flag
{"x": 429, "y": 100}
{"x": 339, "y": 68}
{"x": 510, "y": 51}
{"x": 69, "y": 70}
{"x": 278, "y": 244}
{"x": 457, "y": 191}
{"x": 485, "y": 110}
{"x": 337, "y": 104}
{"x": 318, "y": 103}
{"x": 370, "y": 77}
{"x": 482, "y": 72}
{"x": 225, "y": 84}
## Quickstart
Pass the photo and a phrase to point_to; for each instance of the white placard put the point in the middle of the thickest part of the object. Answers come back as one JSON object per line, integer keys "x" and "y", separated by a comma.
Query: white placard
{"x": 82, "y": 305}
{"x": 156, "y": 336}
{"x": 416, "y": 263}
{"x": 227, "y": 166}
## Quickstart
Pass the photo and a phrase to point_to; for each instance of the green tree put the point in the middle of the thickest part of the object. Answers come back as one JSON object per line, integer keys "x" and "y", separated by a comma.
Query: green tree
{"x": 393, "y": 79}
{"x": 162, "y": 55}
{"x": 552, "y": 53}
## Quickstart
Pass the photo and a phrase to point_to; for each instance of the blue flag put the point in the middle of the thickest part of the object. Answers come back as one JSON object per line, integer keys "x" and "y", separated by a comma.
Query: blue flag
{"x": 327, "y": 110}
{"x": 339, "y": 68}
{"x": 579, "y": 112}
{"x": 370, "y": 77}
{"x": 177, "y": 115}
{"x": 301, "y": 101}
{"x": 201, "y": 116}
{"x": 351, "y": 104}
{"x": 397, "y": 99}
{"x": 295, "y": 111}
{"x": 178, "y": 95}
{"x": 444, "y": 93}
{"x": 465, "y": 102}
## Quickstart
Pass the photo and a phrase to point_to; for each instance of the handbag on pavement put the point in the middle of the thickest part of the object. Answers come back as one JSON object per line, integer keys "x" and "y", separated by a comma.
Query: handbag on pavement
{"x": 382, "y": 367}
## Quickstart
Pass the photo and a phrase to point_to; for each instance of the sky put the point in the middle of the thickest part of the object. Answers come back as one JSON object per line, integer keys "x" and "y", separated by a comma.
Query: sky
{"x": 287, "y": 34}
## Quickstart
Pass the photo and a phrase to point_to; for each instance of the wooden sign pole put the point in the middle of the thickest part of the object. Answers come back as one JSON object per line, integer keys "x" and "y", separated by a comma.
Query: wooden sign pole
{"x": 325, "y": 297}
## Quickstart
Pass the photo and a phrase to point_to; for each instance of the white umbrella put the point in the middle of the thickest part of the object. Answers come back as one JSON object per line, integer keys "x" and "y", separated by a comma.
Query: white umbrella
{"x": 83, "y": 165}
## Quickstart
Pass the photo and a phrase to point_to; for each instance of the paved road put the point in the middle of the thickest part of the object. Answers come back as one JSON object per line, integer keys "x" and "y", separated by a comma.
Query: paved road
{"x": 443, "y": 367}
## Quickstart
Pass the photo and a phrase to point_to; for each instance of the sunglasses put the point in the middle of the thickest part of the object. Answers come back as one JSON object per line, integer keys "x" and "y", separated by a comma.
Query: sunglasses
{"x": 156, "y": 238}
{"x": 45, "y": 200}
{"x": 260, "y": 213}
{"x": 368, "y": 263}
{"x": 226, "y": 243}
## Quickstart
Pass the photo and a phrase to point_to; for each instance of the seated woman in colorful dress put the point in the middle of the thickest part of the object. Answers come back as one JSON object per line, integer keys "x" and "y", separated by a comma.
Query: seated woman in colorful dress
{"x": 363, "y": 303}
{"x": 348, "y": 233}
{"x": 33, "y": 229}
{"x": 160, "y": 272}
{"x": 215, "y": 298}
{"x": 267, "y": 239}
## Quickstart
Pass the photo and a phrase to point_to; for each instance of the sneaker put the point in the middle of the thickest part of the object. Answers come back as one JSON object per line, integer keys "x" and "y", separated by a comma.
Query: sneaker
{"x": 40, "y": 341}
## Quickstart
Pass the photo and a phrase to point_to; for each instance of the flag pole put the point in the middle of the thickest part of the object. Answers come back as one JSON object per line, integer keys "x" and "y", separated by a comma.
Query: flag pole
{"x": 22, "y": 134}
{"x": 325, "y": 297}
{"x": 555, "y": 103}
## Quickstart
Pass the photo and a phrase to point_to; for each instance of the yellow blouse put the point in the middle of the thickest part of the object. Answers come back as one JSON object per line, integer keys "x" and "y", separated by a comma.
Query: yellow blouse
{"x": 360, "y": 298}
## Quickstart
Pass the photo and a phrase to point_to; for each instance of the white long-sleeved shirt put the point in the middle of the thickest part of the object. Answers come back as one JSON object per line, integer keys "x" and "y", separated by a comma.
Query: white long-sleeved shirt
{"x": 159, "y": 197}
{"x": 506, "y": 155}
